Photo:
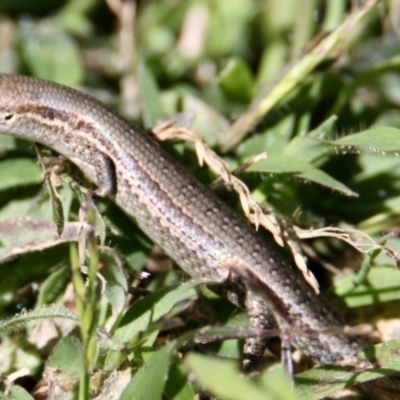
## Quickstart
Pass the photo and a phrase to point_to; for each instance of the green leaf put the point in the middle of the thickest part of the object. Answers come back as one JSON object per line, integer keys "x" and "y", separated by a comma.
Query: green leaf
{"x": 151, "y": 308}
{"x": 273, "y": 140}
{"x": 21, "y": 320}
{"x": 67, "y": 357}
{"x": 294, "y": 77}
{"x": 19, "y": 172}
{"x": 275, "y": 380}
{"x": 53, "y": 286}
{"x": 149, "y": 97}
{"x": 321, "y": 381}
{"x": 279, "y": 164}
{"x": 378, "y": 140}
{"x": 381, "y": 284}
{"x": 149, "y": 381}
{"x": 208, "y": 123}
{"x": 178, "y": 386}
{"x": 56, "y": 206}
{"x": 19, "y": 393}
{"x": 236, "y": 80}
{"x": 7, "y": 143}
{"x": 308, "y": 149}
{"x": 312, "y": 148}
{"x": 65, "y": 366}
{"x": 73, "y": 16}
{"x": 223, "y": 379}
{"x": 227, "y": 26}
{"x": 116, "y": 284}
{"x": 51, "y": 54}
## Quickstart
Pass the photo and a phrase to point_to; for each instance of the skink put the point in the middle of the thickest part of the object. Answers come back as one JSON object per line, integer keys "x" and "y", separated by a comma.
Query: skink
{"x": 191, "y": 224}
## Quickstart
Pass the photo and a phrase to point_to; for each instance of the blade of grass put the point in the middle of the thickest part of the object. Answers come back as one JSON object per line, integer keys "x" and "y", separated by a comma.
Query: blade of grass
{"x": 292, "y": 78}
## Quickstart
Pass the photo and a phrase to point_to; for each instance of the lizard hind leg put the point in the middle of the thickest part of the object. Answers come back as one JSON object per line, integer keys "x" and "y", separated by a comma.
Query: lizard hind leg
{"x": 261, "y": 320}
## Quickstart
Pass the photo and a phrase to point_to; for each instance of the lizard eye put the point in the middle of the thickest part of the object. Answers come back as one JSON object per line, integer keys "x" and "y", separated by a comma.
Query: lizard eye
{"x": 8, "y": 116}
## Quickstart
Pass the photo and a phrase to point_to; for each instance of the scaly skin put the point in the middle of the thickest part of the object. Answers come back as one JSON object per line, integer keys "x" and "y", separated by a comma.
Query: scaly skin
{"x": 196, "y": 229}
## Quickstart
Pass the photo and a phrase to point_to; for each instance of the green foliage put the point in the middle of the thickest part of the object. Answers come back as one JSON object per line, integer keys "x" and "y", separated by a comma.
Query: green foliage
{"x": 221, "y": 377}
{"x": 20, "y": 172}
{"x": 315, "y": 85}
{"x": 150, "y": 309}
{"x": 324, "y": 380}
{"x": 17, "y": 322}
{"x": 155, "y": 371}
